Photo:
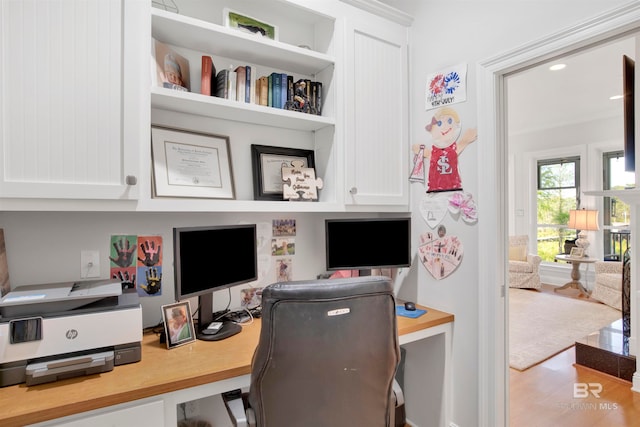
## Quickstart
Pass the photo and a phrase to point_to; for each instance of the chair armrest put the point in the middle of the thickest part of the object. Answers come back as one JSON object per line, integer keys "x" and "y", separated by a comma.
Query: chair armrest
{"x": 397, "y": 391}
{"x": 235, "y": 408}
{"x": 534, "y": 259}
{"x": 614, "y": 267}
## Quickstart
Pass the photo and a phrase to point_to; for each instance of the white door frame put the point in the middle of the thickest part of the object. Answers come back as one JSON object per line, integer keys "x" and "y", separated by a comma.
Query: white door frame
{"x": 493, "y": 359}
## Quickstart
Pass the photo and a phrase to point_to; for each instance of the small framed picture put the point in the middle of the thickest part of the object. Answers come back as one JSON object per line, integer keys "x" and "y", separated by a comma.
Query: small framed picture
{"x": 576, "y": 252}
{"x": 267, "y": 163}
{"x": 191, "y": 164}
{"x": 249, "y": 25}
{"x": 172, "y": 69}
{"x": 178, "y": 325}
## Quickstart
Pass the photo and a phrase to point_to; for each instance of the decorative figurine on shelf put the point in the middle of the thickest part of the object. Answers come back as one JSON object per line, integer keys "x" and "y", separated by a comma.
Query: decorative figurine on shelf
{"x": 443, "y": 165}
{"x": 300, "y": 101}
{"x": 300, "y": 183}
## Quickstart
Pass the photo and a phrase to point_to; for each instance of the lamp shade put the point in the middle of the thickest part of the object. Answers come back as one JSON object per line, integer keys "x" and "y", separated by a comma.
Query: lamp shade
{"x": 583, "y": 219}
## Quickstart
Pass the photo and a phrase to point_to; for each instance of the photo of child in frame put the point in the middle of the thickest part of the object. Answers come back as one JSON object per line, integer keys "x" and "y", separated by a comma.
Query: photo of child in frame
{"x": 172, "y": 69}
{"x": 178, "y": 325}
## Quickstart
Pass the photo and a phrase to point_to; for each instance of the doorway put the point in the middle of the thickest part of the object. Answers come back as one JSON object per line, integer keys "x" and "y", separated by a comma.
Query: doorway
{"x": 493, "y": 120}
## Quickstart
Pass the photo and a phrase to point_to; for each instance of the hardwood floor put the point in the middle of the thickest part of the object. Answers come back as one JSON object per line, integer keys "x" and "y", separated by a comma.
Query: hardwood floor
{"x": 543, "y": 395}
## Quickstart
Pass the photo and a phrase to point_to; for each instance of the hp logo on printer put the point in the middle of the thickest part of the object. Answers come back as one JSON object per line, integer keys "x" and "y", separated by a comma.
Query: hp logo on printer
{"x": 71, "y": 334}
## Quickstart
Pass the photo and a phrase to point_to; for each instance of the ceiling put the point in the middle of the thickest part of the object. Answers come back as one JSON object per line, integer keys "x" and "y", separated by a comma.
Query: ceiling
{"x": 539, "y": 98}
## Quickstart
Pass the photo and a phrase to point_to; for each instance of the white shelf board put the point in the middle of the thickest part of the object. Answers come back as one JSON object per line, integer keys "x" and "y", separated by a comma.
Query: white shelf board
{"x": 211, "y": 106}
{"x": 204, "y": 205}
{"x": 630, "y": 196}
{"x": 216, "y": 40}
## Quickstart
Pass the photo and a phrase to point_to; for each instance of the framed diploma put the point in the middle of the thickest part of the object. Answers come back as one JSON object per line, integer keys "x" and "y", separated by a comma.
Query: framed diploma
{"x": 267, "y": 165}
{"x": 190, "y": 164}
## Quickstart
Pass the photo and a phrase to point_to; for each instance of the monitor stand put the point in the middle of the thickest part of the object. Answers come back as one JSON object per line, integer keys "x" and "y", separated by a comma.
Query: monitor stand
{"x": 227, "y": 330}
{"x": 205, "y": 317}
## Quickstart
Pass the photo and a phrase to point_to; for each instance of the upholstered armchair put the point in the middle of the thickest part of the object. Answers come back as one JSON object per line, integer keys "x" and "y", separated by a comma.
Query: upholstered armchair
{"x": 523, "y": 266}
{"x": 608, "y": 285}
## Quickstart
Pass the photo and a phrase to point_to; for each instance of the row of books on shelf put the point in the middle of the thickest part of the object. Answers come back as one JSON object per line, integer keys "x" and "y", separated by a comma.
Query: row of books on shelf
{"x": 276, "y": 90}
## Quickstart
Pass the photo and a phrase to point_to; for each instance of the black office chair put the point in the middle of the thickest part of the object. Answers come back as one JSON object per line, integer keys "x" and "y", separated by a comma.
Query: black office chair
{"x": 327, "y": 356}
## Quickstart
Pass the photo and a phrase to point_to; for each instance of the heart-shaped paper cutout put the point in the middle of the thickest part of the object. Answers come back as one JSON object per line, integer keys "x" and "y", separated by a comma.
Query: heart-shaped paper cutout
{"x": 440, "y": 255}
{"x": 433, "y": 209}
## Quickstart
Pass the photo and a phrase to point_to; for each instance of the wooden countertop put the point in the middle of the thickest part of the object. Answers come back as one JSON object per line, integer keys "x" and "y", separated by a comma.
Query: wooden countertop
{"x": 159, "y": 371}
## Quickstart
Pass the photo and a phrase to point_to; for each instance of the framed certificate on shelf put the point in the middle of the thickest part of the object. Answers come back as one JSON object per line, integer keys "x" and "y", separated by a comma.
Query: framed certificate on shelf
{"x": 190, "y": 164}
{"x": 267, "y": 163}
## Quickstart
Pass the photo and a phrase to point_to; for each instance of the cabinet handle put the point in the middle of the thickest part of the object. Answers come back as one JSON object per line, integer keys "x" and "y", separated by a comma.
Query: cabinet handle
{"x": 353, "y": 191}
{"x": 131, "y": 180}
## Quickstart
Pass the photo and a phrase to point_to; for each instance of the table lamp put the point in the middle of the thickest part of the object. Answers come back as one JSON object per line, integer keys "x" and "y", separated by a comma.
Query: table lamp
{"x": 583, "y": 220}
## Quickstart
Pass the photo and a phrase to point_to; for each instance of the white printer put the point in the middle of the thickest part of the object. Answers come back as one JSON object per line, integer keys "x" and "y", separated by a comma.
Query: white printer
{"x": 62, "y": 330}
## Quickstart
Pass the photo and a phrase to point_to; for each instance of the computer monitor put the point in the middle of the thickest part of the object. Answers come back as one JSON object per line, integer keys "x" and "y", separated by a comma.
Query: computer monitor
{"x": 366, "y": 243}
{"x": 211, "y": 258}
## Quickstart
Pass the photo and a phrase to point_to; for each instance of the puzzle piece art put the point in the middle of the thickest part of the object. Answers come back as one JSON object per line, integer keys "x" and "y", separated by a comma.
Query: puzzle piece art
{"x": 300, "y": 183}
{"x": 440, "y": 254}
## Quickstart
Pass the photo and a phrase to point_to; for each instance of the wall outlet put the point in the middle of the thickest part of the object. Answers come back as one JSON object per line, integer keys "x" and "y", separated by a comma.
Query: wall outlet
{"x": 89, "y": 264}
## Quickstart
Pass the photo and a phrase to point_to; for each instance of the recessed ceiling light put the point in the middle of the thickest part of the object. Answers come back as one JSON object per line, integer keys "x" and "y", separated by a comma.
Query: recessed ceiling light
{"x": 557, "y": 67}
{"x": 614, "y": 97}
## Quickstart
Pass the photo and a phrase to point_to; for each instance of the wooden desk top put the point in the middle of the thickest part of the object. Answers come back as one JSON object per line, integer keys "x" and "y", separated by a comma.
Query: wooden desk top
{"x": 159, "y": 371}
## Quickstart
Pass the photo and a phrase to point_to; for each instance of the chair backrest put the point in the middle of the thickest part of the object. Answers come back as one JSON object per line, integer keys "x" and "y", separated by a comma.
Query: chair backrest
{"x": 520, "y": 240}
{"x": 327, "y": 354}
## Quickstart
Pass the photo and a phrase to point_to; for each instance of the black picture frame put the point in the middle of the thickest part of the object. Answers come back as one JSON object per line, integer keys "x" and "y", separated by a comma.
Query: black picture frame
{"x": 265, "y": 174}
{"x": 181, "y": 311}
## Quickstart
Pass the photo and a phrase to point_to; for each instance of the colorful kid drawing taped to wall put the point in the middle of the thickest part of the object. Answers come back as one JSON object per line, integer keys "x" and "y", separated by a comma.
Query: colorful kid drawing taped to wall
{"x": 443, "y": 157}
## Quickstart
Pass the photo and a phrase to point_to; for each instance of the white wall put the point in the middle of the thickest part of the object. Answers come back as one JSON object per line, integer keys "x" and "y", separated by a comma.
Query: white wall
{"x": 446, "y": 34}
{"x": 44, "y": 247}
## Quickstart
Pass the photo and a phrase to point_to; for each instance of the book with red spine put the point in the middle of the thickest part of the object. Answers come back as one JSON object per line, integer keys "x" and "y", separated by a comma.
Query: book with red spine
{"x": 208, "y": 75}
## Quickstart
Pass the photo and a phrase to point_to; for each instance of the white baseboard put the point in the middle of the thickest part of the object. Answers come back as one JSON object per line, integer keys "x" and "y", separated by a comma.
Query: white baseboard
{"x": 636, "y": 382}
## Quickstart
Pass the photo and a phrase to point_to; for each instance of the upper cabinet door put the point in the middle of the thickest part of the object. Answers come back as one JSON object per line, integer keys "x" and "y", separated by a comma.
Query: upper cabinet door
{"x": 69, "y": 122}
{"x": 376, "y": 121}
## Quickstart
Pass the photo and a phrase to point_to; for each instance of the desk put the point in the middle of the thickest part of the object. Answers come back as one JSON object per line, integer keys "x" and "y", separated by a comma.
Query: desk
{"x": 575, "y": 272}
{"x": 165, "y": 378}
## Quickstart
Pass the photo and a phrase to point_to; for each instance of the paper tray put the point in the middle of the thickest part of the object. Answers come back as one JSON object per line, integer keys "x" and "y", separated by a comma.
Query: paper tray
{"x": 54, "y": 370}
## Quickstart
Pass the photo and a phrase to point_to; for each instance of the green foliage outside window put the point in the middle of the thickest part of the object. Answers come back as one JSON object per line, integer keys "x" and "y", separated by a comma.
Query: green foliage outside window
{"x": 557, "y": 195}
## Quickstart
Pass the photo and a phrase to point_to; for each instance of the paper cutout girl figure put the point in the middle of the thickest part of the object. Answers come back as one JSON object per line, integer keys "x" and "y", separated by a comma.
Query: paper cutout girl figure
{"x": 443, "y": 158}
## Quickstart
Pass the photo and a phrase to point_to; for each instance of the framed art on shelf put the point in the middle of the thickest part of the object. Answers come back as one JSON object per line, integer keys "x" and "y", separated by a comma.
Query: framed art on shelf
{"x": 171, "y": 69}
{"x": 178, "y": 325}
{"x": 249, "y": 25}
{"x": 576, "y": 252}
{"x": 267, "y": 165}
{"x": 191, "y": 164}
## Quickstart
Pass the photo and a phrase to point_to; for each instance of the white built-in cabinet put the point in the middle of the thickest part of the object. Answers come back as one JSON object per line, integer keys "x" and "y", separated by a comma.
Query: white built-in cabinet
{"x": 78, "y": 101}
{"x": 376, "y": 115}
{"x": 70, "y": 91}
{"x": 144, "y": 413}
{"x": 304, "y": 49}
